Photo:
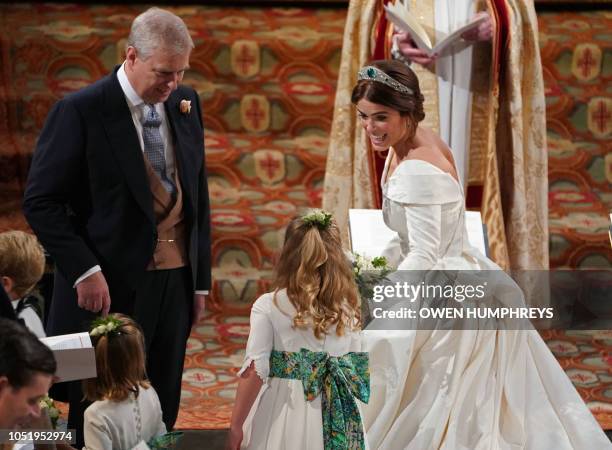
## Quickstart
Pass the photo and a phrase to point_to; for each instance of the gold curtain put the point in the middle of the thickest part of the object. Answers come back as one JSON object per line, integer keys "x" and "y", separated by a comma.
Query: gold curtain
{"x": 521, "y": 142}
{"x": 348, "y": 176}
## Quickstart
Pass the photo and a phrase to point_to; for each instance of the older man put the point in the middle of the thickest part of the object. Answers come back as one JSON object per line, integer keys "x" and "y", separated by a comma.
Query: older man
{"x": 117, "y": 194}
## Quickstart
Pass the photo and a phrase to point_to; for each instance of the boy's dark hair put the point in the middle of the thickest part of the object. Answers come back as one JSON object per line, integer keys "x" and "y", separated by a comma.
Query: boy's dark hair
{"x": 22, "y": 355}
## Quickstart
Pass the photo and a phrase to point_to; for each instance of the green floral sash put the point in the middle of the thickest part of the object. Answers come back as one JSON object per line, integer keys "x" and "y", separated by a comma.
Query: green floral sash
{"x": 338, "y": 380}
{"x": 168, "y": 440}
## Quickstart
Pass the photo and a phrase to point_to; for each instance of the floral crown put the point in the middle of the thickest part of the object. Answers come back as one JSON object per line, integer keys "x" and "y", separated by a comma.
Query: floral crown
{"x": 372, "y": 73}
{"x": 320, "y": 219}
{"x": 105, "y": 325}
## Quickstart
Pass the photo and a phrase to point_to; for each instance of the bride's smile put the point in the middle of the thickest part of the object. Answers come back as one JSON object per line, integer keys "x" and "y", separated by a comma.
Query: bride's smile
{"x": 384, "y": 126}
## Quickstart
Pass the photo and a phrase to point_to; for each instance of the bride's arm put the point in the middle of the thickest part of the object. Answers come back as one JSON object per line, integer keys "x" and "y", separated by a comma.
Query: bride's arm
{"x": 393, "y": 251}
{"x": 423, "y": 223}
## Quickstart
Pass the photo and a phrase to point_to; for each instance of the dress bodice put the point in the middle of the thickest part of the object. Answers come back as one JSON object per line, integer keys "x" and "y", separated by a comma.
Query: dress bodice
{"x": 289, "y": 338}
{"x": 272, "y": 329}
{"x": 425, "y": 207}
{"x": 113, "y": 425}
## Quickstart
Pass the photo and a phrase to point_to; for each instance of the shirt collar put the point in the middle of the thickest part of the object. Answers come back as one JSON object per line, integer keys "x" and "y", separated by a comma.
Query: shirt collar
{"x": 130, "y": 94}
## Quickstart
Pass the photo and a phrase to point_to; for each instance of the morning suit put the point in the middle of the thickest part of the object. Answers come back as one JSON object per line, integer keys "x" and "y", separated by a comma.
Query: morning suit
{"x": 93, "y": 199}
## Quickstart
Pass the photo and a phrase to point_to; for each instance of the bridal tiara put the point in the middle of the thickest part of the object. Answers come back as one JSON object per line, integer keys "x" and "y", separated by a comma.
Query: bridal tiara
{"x": 375, "y": 74}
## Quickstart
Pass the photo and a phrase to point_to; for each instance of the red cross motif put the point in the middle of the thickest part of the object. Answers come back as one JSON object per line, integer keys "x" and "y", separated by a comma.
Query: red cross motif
{"x": 580, "y": 378}
{"x": 562, "y": 348}
{"x": 601, "y": 116}
{"x": 199, "y": 377}
{"x": 587, "y": 222}
{"x": 245, "y": 58}
{"x": 586, "y": 61}
{"x": 255, "y": 114}
{"x": 269, "y": 165}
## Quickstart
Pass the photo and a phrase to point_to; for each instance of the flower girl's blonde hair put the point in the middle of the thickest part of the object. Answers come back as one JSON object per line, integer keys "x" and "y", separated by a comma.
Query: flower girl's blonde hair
{"x": 318, "y": 275}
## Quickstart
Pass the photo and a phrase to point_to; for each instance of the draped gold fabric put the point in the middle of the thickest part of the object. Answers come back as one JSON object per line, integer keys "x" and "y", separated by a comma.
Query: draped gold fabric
{"x": 348, "y": 176}
{"x": 521, "y": 142}
{"x": 508, "y": 148}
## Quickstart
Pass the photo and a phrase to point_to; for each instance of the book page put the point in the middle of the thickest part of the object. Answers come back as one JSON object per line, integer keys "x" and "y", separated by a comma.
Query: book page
{"x": 399, "y": 15}
{"x": 451, "y": 38}
{"x": 368, "y": 232}
{"x": 476, "y": 231}
{"x": 68, "y": 341}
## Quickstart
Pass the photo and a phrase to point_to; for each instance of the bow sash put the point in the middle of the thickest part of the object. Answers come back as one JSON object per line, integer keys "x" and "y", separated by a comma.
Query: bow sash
{"x": 339, "y": 380}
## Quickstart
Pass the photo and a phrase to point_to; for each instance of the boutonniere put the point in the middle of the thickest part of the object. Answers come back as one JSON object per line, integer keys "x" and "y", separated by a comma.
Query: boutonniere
{"x": 185, "y": 106}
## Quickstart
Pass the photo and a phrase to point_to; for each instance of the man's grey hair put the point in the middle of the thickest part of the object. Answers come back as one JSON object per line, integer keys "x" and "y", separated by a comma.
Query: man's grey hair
{"x": 157, "y": 28}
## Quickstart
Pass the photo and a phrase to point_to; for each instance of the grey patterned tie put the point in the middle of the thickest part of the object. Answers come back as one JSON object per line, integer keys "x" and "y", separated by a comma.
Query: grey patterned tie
{"x": 154, "y": 146}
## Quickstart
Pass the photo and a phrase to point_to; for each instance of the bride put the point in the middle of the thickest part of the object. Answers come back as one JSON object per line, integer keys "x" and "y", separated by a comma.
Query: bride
{"x": 451, "y": 389}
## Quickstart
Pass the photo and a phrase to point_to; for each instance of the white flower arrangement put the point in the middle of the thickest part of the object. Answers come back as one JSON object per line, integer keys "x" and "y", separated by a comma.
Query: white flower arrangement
{"x": 49, "y": 404}
{"x": 363, "y": 263}
{"x": 368, "y": 273}
{"x": 320, "y": 219}
{"x": 104, "y": 325}
{"x": 185, "y": 106}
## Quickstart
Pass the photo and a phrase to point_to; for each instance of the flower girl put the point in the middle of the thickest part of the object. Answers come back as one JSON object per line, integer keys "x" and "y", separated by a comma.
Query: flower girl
{"x": 125, "y": 413}
{"x": 303, "y": 369}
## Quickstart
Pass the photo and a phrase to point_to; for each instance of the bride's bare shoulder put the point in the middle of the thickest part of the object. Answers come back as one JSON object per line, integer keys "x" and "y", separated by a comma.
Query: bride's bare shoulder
{"x": 434, "y": 156}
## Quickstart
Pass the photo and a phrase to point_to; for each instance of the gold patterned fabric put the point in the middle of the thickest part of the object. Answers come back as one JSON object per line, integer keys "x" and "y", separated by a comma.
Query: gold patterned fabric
{"x": 521, "y": 142}
{"x": 348, "y": 178}
{"x": 508, "y": 147}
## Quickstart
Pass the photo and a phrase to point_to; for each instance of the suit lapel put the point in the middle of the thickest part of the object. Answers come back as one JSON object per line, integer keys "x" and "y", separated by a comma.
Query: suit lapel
{"x": 179, "y": 123}
{"x": 119, "y": 126}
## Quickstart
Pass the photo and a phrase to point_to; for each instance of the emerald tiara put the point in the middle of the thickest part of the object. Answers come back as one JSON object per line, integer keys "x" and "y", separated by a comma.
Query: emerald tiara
{"x": 375, "y": 74}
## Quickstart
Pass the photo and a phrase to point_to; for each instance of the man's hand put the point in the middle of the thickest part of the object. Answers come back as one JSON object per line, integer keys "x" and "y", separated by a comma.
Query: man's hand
{"x": 93, "y": 295}
{"x": 484, "y": 32}
{"x": 408, "y": 48}
{"x": 199, "y": 306}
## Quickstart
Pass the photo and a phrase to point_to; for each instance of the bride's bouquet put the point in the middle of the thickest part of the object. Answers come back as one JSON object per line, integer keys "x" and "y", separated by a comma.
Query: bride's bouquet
{"x": 368, "y": 273}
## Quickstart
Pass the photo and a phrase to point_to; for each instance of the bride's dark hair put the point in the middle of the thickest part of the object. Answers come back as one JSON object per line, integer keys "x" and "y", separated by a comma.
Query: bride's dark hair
{"x": 319, "y": 278}
{"x": 375, "y": 92}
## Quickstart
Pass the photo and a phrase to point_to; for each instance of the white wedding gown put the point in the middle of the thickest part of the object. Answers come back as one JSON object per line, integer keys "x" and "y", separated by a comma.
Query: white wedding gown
{"x": 462, "y": 389}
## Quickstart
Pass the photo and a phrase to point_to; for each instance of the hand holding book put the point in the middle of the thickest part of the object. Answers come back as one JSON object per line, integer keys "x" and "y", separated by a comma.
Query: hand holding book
{"x": 413, "y": 36}
{"x": 409, "y": 50}
{"x": 484, "y": 30}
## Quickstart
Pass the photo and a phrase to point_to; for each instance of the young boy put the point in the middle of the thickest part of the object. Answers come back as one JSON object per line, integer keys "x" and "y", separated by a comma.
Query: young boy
{"x": 22, "y": 263}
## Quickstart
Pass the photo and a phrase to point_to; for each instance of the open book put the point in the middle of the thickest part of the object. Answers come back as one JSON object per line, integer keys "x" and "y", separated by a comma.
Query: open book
{"x": 403, "y": 20}
{"x": 74, "y": 355}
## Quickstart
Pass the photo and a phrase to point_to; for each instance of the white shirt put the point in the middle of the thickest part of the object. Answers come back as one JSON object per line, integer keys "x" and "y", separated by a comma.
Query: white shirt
{"x": 137, "y": 108}
{"x": 31, "y": 319}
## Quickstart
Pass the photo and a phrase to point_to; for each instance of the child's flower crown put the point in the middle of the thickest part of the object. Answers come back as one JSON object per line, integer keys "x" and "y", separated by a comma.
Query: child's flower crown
{"x": 321, "y": 219}
{"x": 105, "y": 325}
